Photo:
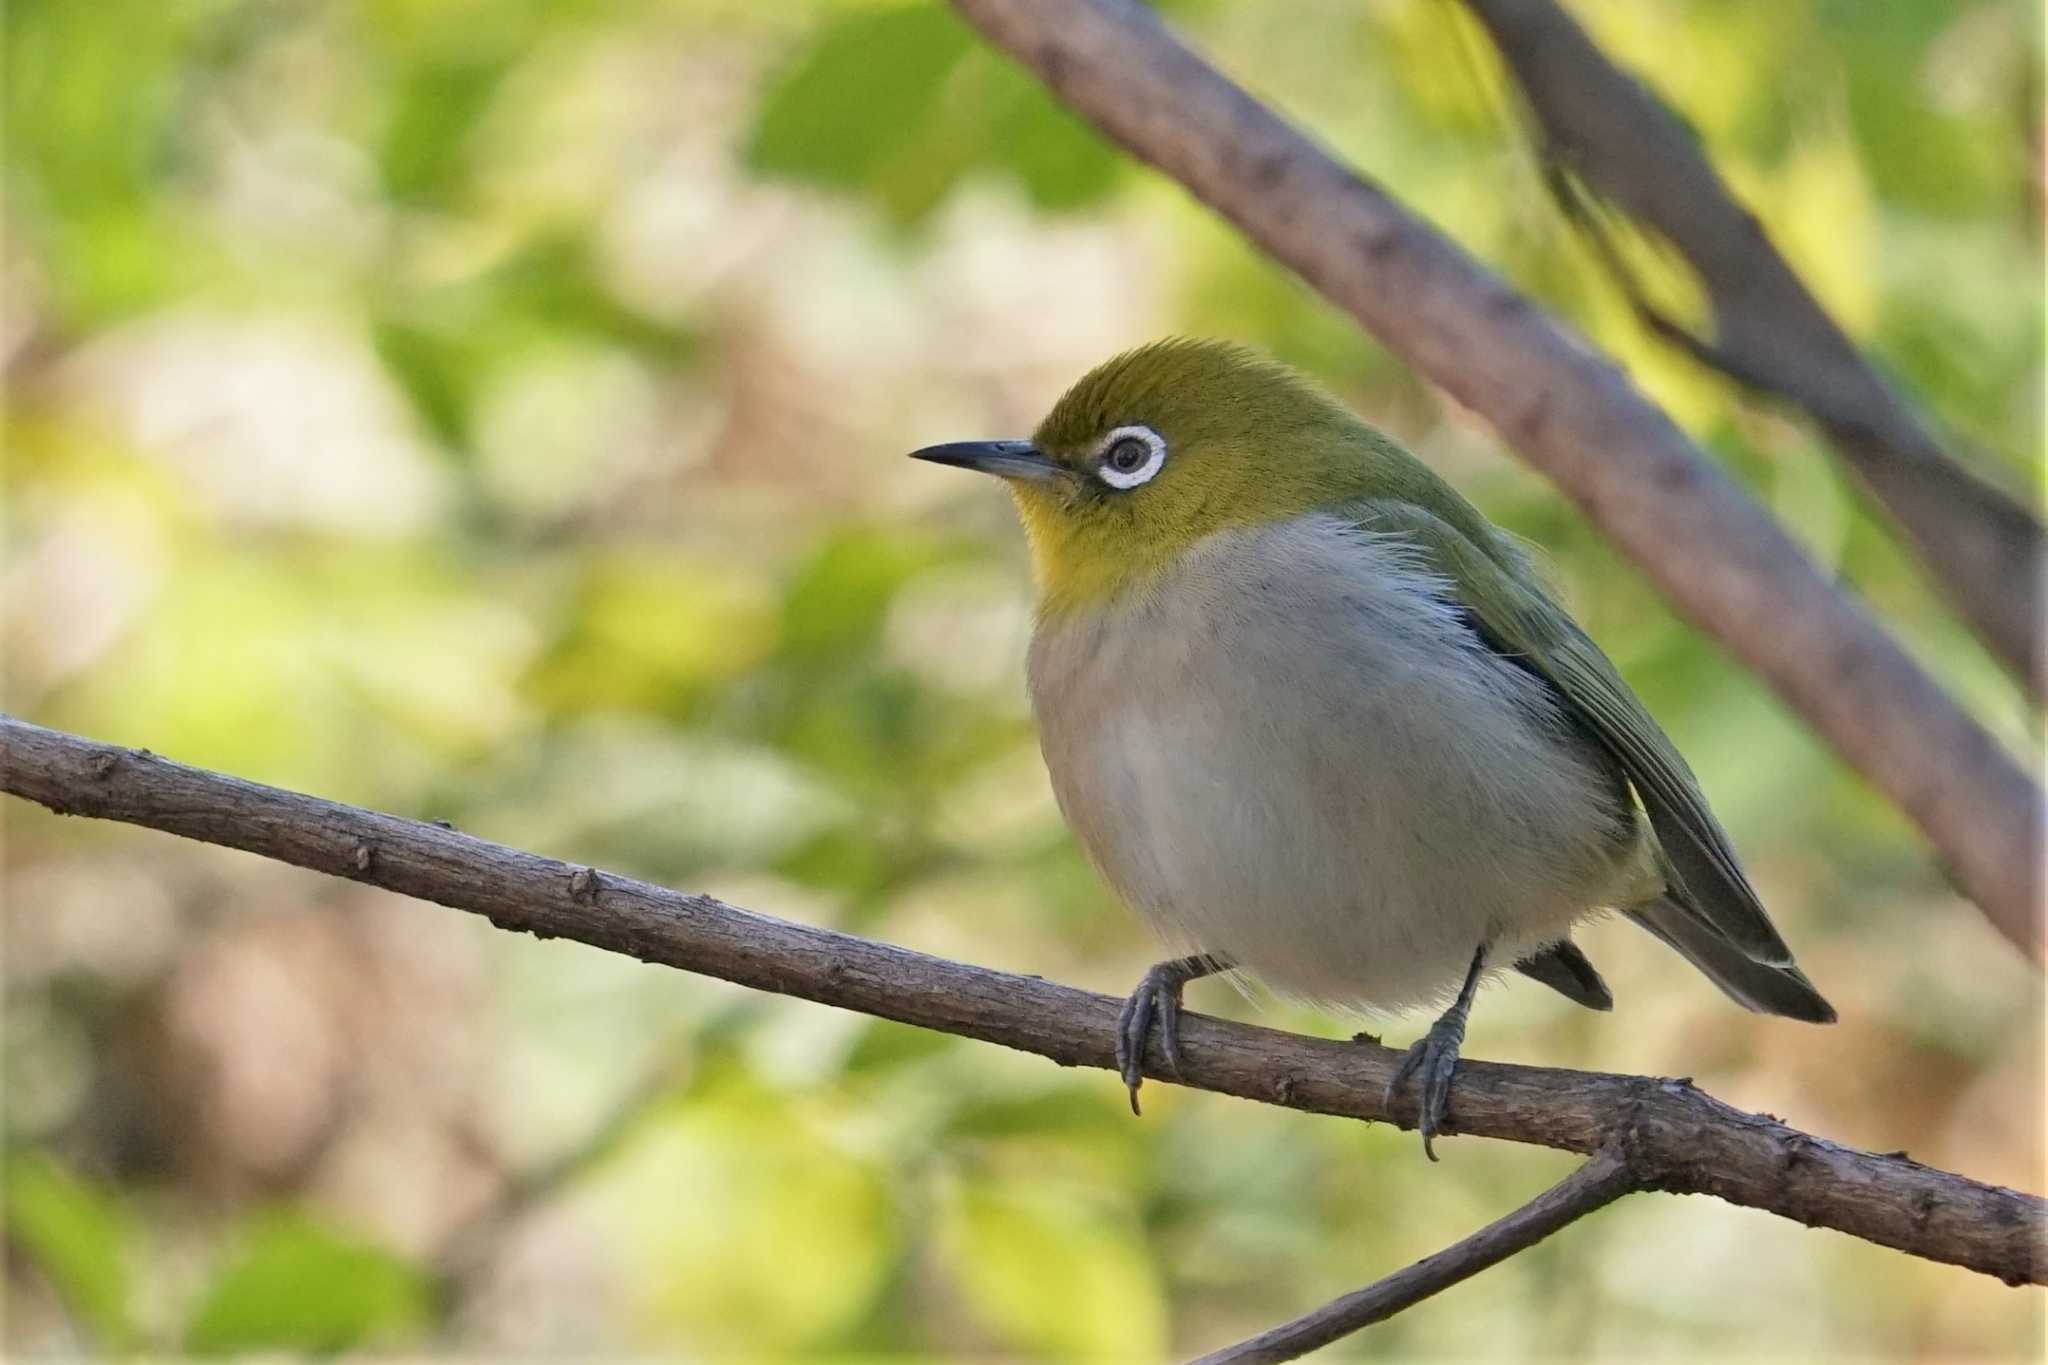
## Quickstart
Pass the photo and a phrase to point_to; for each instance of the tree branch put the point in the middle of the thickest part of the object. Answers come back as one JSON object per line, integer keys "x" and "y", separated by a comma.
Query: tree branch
{"x": 1606, "y": 1177}
{"x": 1983, "y": 547}
{"x": 1569, "y": 411}
{"x": 1677, "y": 1137}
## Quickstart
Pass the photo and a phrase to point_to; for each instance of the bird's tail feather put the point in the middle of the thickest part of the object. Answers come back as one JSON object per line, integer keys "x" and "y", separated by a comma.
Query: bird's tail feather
{"x": 1752, "y": 984}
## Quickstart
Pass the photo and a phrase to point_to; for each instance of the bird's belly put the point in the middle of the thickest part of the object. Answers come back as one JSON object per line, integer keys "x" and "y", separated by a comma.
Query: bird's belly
{"x": 1291, "y": 754}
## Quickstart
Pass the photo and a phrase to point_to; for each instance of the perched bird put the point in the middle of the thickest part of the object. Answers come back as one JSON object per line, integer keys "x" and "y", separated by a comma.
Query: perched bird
{"x": 1319, "y": 721}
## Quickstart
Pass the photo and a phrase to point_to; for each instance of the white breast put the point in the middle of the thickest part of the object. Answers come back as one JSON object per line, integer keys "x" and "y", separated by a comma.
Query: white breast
{"x": 1290, "y": 751}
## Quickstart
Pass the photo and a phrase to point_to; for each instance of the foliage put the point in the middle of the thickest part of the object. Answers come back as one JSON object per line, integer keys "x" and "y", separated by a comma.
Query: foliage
{"x": 492, "y": 412}
{"x": 79, "y": 1236}
{"x": 296, "y": 1285}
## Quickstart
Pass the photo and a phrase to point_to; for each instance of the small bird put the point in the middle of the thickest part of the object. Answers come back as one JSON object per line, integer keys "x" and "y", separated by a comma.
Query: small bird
{"x": 1320, "y": 722}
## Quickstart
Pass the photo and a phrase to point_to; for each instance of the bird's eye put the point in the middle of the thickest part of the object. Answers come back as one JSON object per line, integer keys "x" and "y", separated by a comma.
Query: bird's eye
{"x": 1130, "y": 456}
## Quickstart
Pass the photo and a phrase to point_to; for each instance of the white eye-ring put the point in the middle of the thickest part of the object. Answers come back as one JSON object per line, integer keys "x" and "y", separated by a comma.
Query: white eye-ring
{"x": 1130, "y": 456}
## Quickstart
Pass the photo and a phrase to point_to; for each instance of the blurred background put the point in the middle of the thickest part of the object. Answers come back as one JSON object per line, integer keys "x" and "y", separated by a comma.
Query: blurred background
{"x": 493, "y": 411}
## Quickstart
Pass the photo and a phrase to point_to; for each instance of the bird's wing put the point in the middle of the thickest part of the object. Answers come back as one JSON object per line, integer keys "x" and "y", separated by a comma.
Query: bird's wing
{"x": 1511, "y": 612}
{"x": 1753, "y": 985}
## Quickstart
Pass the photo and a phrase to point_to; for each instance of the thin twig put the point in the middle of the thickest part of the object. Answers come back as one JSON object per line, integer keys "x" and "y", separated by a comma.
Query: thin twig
{"x": 1716, "y": 554}
{"x": 1984, "y": 548}
{"x": 1682, "y": 1139}
{"x": 1588, "y": 215}
{"x": 1604, "y": 1178}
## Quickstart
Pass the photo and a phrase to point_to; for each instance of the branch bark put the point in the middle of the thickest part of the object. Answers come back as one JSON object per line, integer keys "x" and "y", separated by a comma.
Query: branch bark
{"x": 1678, "y": 1138}
{"x": 1712, "y": 550}
{"x": 1605, "y": 1178}
{"x": 1984, "y": 549}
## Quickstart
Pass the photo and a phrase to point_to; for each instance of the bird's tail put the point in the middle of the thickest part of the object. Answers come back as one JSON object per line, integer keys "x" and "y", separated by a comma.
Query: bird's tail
{"x": 1752, "y": 984}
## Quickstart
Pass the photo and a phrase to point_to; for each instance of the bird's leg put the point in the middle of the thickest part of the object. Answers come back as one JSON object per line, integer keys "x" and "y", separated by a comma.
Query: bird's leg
{"x": 1435, "y": 1056}
{"x": 1157, "y": 997}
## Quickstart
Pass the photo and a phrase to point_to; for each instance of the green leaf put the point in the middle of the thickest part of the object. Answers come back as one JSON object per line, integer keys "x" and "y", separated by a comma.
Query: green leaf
{"x": 443, "y": 348}
{"x": 79, "y": 1237}
{"x": 839, "y": 598}
{"x": 742, "y": 1228}
{"x": 91, "y": 117}
{"x": 885, "y": 1044}
{"x": 438, "y": 107}
{"x": 94, "y": 137}
{"x": 1092, "y": 1115}
{"x": 1049, "y": 1273}
{"x": 655, "y": 632}
{"x": 554, "y": 284}
{"x": 883, "y": 105}
{"x": 857, "y": 97}
{"x": 856, "y": 859}
{"x": 432, "y": 376}
{"x": 296, "y": 1285}
{"x": 1063, "y": 163}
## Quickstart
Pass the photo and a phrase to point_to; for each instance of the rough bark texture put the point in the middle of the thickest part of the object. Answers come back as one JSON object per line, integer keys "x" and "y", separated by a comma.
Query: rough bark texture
{"x": 1677, "y": 1137}
{"x": 1983, "y": 547}
{"x": 1717, "y": 555}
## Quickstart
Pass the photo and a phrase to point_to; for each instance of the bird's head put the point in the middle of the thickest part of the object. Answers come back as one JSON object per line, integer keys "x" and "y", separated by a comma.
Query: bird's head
{"x": 1164, "y": 445}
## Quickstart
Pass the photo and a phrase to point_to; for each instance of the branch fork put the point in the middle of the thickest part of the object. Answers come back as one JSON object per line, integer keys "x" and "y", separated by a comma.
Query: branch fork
{"x": 1640, "y": 1133}
{"x": 1718, "y": 556}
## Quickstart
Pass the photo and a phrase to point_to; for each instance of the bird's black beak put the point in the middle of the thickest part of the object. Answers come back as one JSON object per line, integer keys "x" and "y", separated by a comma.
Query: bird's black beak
{"x": 1005, "y": 459}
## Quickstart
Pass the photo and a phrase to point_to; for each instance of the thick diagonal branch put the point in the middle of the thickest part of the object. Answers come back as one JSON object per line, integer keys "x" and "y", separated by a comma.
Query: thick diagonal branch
{"x": 1983, "y": 547}
{"x": 1606, "y": 1177}
{"x": 1679, "y": 1138}
{"x": 1567, "y": 410}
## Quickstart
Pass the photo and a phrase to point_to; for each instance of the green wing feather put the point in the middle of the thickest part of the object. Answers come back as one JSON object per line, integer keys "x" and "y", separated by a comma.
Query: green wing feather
{"x": 1517, "y": 618}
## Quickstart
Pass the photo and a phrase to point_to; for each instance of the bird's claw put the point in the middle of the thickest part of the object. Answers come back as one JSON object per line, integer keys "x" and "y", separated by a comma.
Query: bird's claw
{"x": 1157, "y": 998}
{"x": 1435, "y": 1057}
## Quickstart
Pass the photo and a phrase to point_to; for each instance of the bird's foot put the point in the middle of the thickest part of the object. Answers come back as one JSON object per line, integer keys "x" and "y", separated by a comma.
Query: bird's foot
{"x": 1156, "y": 1000}
{"x": 1433, "y": 1058}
